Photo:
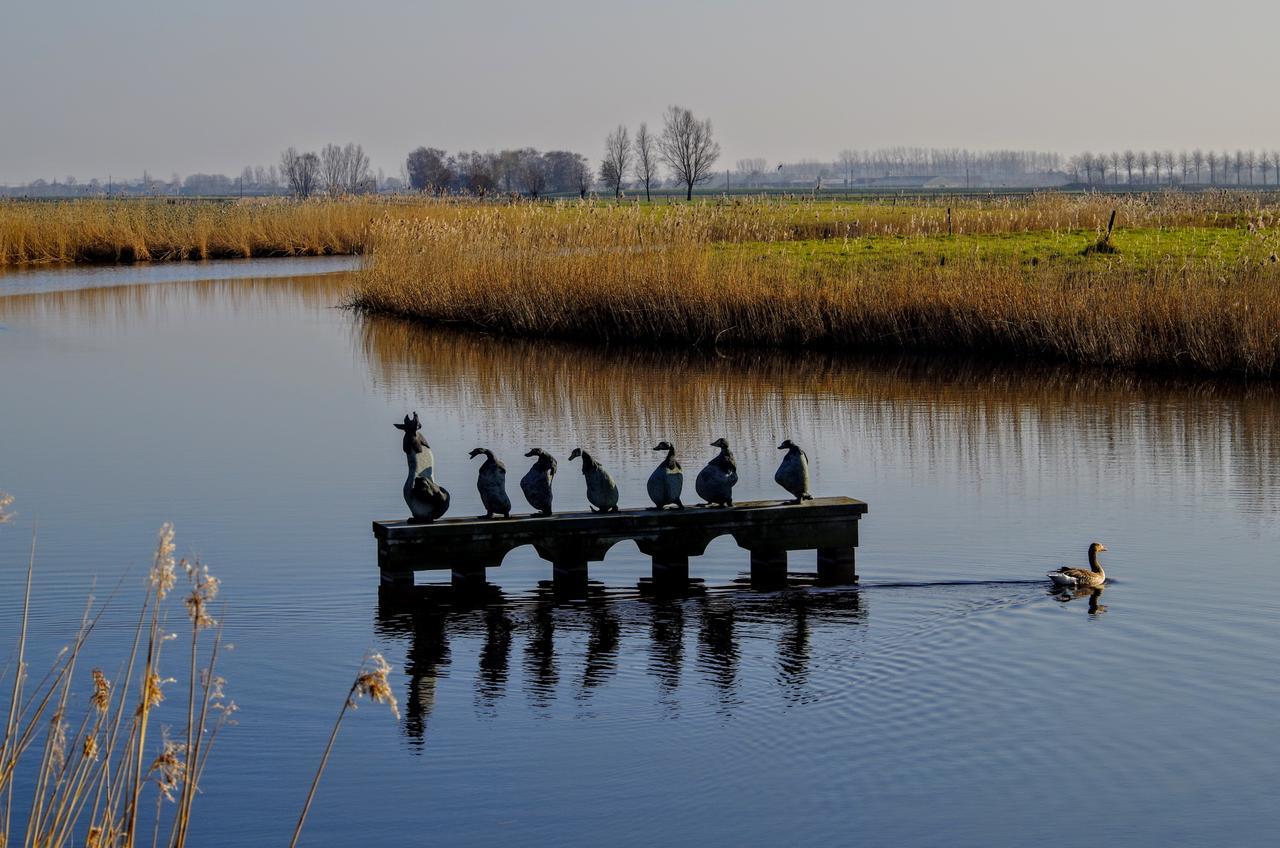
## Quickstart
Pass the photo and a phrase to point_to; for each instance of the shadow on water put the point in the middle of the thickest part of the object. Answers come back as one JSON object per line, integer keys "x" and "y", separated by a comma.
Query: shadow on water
{"x": 568, "y": 651}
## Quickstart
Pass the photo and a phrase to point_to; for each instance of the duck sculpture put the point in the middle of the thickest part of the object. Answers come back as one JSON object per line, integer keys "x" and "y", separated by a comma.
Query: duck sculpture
{"x": 667, "y": 480}
{"x": 1079, "y": 578}
{"x": 715, "y": 482}
{"x": 426, "y": 500}
{"x": 491, "y": 482}
{"x": 793, "y": 473}
{"x": 536, "y": 483}
{"x": 602, "y": 492}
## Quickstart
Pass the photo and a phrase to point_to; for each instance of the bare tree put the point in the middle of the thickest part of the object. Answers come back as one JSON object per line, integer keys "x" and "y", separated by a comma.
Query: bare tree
{"x": 1184, "y": 162}
{"x": 1238, "y": 165}
{"x": 1143, "y": 161}
{"x": 617, "y": 158}
{"x": 582, "y": 175}
{"x": 1250, "y": 162}
{"x": 1275, "y": 164}
{"x": 333, "y": 168}
{"x": 300, "y": 170}
{"x": 1129, "y": 159}
{"x": 428, "y": 169}
{"x": 646, "y": 150}
{"x": 847, "y": 160}
{"x": 1115, "y": 167}
{"x": 1197, "y": 159}
{"x": 1211, "y": 159}
{"x": 357, "y": 173}
{"x": 1264, "y": 165}
{"x": 687, "y": 147}
{"x": 532, "y": 172}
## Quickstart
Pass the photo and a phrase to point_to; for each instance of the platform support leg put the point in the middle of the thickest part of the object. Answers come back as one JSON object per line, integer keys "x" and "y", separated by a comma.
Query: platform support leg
{"x": 468, "y": 578}
{"x": 396, "y": 581}
{"x": 836, "y": 566}
{"x": 768, "y": 569}
{"x": 569, "y": 577}
{"x": 670, "y": 571}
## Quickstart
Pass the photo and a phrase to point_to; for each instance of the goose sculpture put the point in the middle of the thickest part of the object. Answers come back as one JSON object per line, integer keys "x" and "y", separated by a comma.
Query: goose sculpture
{"x": 426, "y": 500}
{"x": 793, "y": 472}
{"x": 1080, "y": 578}
{"x": 536, "y": 483}
{"x": 715, "y": 482}
{"x": 667, "y": 480}
{"x": 602, "y": 492}
{"x": 491, "y": 482}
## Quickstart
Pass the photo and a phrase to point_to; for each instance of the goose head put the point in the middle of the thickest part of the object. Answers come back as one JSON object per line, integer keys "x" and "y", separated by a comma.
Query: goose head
{"x": 720, "y": 443}
{"x": 663, "y": 445}
{"x": 577, "y": 452}
{"x": 1096, "y": 548}
{"x": 787, "y": 444}
{"x": 479, "y": 451}
{"x": 536, "y": 452}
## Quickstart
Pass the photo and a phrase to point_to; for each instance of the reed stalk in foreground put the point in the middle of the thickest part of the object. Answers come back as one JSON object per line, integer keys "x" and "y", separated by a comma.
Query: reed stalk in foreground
{"x": 370, "y": 682}
{"x": 612, "y": 274}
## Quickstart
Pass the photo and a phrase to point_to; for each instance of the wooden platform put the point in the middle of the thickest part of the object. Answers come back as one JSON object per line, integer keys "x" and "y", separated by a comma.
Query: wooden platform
{"x": 571, "y": 540}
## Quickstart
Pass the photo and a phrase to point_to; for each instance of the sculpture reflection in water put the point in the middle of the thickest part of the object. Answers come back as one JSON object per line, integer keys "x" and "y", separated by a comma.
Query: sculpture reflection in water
{"x": 558, "y": 662}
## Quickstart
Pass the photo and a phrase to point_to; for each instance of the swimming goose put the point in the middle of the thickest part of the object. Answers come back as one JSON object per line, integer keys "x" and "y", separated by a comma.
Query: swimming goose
{"x": 536, "y": 483}
{"x": 793, "y": 473}
{"x": 667, "y": 480}
{"x": 715, "y": 482}
{"x": 602, "y": 492}
{"x": 491, "y": 482}
{"x": 1072, "y": 578}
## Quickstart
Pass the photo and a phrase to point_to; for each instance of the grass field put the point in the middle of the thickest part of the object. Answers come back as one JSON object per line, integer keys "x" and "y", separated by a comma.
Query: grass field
{"x": 1191, "y": 282}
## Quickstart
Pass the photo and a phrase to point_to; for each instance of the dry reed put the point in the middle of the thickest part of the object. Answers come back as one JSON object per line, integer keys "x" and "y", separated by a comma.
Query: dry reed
{"x": 611, "y": 273}
{"x": 86, "y": 782}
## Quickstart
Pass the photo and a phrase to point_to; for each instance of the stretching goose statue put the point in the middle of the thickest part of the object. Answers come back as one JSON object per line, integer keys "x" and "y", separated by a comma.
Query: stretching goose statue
{"x": 426, "y": 500}
{"x": 1079, "y": 578}
{"x": 715, "y": 482}
{"x": 536, "y": 483}
{"x": 667, "y": 480}
{"x": 491, "y": 482}
{"x": 793, "y": 473}
{"x": 602, "y": 492}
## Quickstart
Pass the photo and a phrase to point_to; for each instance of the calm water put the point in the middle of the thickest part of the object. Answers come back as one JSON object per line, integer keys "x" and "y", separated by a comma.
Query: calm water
{"x": 949, "y": 701}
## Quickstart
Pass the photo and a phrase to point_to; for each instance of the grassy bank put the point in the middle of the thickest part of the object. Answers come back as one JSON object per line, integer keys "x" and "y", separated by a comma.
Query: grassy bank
{"x": 1194, "y": 281}
{"x": 159, "y": 230}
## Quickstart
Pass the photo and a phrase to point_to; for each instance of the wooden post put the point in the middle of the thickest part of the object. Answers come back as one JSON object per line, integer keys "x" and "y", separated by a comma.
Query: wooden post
{"x": 836, "y": 566}
{"x": 1111, "y": 223}
{"x": 670, "y": 570}
{"x": 569, "y": 577}
{"x": 768, "y": 568}
{"x": 949, "y": 229}
{"x": 468, "y": 578}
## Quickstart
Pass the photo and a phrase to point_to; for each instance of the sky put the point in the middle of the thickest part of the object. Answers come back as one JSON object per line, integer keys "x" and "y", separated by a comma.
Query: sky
{"x": 94, "y": 88}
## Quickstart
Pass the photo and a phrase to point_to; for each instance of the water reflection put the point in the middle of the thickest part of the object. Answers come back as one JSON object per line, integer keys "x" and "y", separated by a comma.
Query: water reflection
{"x": 549, "y": 637}
{"x": 927, "y": 414}
{"x": 1093, "y": 595}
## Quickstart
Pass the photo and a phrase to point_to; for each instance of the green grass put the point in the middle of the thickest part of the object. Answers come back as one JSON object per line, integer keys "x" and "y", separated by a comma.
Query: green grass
{"x": 1140, "y": 248}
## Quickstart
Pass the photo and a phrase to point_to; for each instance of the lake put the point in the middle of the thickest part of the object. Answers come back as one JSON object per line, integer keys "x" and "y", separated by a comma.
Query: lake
{"x": 949, "y": 700}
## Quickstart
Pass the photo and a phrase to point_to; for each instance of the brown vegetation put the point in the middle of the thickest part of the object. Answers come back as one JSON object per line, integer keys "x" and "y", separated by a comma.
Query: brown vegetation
{"x": 613, "y": 273}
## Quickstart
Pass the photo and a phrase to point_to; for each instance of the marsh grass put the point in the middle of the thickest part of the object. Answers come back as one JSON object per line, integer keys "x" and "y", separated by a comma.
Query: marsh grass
{"x": 100, "y": 774}
{"x": 104, "y": 231}
{"x": 731, "y": 274}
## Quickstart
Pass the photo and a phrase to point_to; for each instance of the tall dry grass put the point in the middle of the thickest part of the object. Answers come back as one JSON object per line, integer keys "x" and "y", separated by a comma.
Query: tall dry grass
{"x": 159, "y": 230}
{"x": 610, "y": 273}
{"x": 107, "y": 772}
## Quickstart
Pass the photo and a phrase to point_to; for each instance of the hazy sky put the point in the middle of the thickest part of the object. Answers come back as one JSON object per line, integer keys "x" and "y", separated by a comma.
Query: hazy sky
{"x": 91, "y": 88}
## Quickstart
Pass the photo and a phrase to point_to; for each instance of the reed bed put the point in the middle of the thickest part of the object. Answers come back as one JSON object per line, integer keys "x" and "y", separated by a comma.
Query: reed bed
{"x": 109, "y": 771}
{"x": 615, "y": 273}
{"x": 104, "y": 231}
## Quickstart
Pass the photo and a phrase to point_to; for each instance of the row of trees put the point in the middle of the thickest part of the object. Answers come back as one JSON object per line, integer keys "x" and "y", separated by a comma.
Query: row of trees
{"x": 336, "y": 169}
{"x": 1158, "y": 167}
{"x": 525, "y": 170}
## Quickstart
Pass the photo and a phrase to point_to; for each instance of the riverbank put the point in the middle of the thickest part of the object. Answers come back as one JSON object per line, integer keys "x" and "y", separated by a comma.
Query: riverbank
{"x": 125, "y": 231}
{"x": 1185, "y": 282}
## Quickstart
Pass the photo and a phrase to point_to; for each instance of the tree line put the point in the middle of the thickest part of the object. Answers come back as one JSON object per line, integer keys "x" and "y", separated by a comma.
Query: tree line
{"x": 1164, "y": 167}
